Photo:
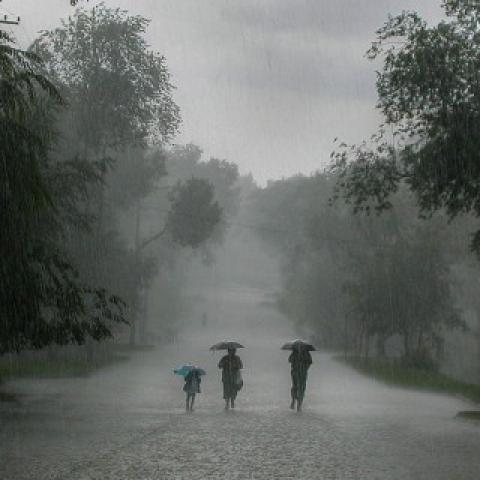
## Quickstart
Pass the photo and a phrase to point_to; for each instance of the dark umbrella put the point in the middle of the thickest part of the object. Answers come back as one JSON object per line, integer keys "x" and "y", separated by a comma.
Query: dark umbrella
{"x": 226, "y": 345}
{"x": 298, "y": 344}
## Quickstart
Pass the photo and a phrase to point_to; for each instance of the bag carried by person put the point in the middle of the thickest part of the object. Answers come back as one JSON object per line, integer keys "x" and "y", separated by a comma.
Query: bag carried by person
{"x": 238, "y": 380}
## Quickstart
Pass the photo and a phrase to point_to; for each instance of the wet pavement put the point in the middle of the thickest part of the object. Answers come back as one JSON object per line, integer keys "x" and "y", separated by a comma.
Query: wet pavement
{"x": 128, "y": 421}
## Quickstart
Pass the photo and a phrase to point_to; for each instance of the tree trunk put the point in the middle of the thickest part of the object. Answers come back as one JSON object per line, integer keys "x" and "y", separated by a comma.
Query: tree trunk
{"x": 144, "y": 317}
{"x": 406, "y": 344}
{"x": 367, "y": 345}
{"x": 133, "y": 329}
{"x": 381, "y": 339}
{"x": 137, "y": 273}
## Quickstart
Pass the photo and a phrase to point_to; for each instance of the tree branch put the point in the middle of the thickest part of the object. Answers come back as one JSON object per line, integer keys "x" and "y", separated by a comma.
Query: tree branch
{"x": 148, "y": 241}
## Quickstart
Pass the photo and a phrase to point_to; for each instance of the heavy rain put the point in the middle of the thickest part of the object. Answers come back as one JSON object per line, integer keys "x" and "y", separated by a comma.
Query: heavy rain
{"x": 239, "y": 239}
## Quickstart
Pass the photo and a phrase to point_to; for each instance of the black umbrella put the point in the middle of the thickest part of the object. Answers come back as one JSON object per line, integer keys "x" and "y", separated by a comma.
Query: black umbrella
{"x": 225, "y": 345}
{"x": 301, "y": 344}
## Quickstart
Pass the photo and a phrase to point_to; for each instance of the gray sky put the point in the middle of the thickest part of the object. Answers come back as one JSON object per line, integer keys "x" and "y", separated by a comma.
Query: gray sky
{"x": 267, "y": 84}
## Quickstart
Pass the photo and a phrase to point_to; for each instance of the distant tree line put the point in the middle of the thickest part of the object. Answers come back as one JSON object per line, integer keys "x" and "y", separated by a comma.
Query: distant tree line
{"x": 372, "y": 285}
{"x": 368, "y": 251}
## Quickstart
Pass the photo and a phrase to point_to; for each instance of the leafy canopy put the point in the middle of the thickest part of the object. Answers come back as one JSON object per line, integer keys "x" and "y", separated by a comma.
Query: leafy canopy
{"x": 41, "y": 299}
{"x": 118, "y": 89}
{"x": 194, "y": 213}
{"x": 429, "y": 94}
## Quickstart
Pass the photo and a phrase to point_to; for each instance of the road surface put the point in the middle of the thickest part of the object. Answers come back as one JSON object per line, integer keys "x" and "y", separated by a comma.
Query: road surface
{"x": 128, "y": 421}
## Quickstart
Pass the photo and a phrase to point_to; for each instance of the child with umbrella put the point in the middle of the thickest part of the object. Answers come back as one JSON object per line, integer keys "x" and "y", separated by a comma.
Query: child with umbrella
{"x": 192, "y": 376}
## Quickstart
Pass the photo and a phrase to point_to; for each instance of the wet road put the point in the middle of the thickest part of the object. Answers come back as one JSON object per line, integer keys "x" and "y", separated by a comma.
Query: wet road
{"x": 128, "y": 422}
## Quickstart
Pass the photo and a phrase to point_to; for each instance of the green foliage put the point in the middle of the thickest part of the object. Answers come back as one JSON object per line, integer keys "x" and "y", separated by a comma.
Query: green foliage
{"x": 185, "y": 162}
{"x": 401, "y": 286}
{"x": 351, "y": 279}
{"x": 120, "y": 104}
{"x": 428, "y": 92}
{"x": 136, "y": 176}
{"x": 397, "y": 373}
{"x": 119, "y": 91}
{"x": 41, "y": 299}
{"x": 42, "y": 366}
{"x": 293, "y": 217}
{"x": 193, "y": 214}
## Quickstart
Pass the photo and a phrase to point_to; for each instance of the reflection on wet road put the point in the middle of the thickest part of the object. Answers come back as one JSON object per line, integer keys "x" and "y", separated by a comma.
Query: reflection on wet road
{"x": 127, "y": 421}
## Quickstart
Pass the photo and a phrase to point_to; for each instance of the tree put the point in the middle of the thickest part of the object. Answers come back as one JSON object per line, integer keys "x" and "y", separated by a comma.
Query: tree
{"x": 400, "y": 286}
{"x": 428, "y": 93}
{"x": 185, "y": 162}
{"x": 351, "y": 279}
{"x": 136, "y": 176}
{"x": 118, "y": 90}
{"x": 41, "y": 299}
{"x": 194, "y": 213}
{"x": 120, "y": 106}
{"x": 293, "y": 217}
{"x": 192, "y": 218}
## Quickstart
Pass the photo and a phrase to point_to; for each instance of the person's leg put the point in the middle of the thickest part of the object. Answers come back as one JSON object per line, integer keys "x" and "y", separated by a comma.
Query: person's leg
{"x": 233, "y": 393}
{"x": 187, "y": 406}
{"x": 192, "y": 401}
{"x": 300, "y": 396}
{"x": 294, "y": 390}
{"x": 301, "y": 391}
{"x": 226, "y": 396}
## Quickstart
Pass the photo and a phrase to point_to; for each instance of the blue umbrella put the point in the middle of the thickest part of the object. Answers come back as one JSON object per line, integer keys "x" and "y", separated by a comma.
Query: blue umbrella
{"x": 186, "y": 369}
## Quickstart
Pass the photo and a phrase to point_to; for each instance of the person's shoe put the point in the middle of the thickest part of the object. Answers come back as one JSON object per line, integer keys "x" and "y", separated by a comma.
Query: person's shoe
{"x": 299, "y": 406}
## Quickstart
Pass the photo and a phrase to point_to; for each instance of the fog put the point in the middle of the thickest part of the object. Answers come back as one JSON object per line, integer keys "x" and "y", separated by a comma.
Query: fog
{"x": 239, "y": 240}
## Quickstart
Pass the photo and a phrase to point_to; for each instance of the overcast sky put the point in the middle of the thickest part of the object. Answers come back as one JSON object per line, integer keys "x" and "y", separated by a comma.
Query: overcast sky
{"x": 267, "y": 84}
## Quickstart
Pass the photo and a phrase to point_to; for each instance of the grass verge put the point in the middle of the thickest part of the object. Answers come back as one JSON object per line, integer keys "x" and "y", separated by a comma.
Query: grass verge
{"x": 40, "y": 366}
{"x": 394, "y": 373}
{"x": 58, "y": 368}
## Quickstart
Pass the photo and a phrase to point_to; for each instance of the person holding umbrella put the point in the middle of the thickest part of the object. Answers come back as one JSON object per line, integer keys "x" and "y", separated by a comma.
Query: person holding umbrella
{"x": 192, "y": 376}
{"x": 230, "y": 364}
{"x": 300, "y": 361}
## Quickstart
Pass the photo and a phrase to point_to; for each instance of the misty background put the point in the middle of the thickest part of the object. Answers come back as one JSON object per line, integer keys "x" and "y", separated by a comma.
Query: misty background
{"x": 267, "y": 85}
{"x": 180, "y": 172}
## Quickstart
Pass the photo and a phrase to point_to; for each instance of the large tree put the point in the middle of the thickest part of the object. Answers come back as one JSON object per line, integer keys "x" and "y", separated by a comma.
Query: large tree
{"x": 429, "y": 94}
{"x": 120, "y": 103}
{"x": 41, "y": 299}
{"x": 118, "y": 89}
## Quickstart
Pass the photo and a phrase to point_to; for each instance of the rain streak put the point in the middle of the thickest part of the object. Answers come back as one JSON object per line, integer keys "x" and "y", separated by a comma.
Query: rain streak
{"x": 239, "y": 240}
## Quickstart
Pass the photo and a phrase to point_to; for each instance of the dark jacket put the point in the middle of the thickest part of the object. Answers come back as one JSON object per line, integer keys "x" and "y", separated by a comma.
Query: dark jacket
{"x": 230, "y": 366}
{"x": 192, "y": 383}
{"x": 300, "y": 361}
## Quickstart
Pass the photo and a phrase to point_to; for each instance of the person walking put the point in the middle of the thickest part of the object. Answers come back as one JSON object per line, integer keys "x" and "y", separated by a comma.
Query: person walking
{"x": 300, "y": 361}
{"x": 191, "y": 388}
{"x": 231, "y": 365}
